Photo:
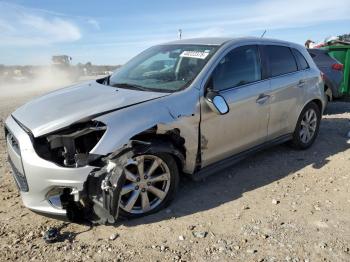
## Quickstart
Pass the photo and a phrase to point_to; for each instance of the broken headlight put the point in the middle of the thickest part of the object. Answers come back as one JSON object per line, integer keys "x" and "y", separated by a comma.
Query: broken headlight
{"x": 70, "y": 147}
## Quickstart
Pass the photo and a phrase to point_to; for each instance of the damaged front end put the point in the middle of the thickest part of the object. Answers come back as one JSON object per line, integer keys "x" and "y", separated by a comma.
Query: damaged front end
{"x": 98, "y": 201}
{"x": 99, "y": 197}
{"x": 100, "y": 204}
{"x": 71, "y": 147}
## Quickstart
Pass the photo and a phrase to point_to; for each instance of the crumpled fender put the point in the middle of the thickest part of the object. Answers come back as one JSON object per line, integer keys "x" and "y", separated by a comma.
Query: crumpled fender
{"x": 179, "y": 111}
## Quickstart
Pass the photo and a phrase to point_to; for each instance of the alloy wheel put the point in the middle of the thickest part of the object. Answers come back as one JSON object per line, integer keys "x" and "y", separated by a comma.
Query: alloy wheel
{"x": 147, "y": 184}
{"x": 308, "y": 126}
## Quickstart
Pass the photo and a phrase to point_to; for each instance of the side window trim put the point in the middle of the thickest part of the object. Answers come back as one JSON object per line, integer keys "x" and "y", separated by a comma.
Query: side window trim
{"x": 296, "y": 58}
{"x": 296, "y": 61}
{"x": 294, "y": 52}
{"x": 285, "y": 74}
{"x": 265, "y": 74}
{"x": 242, "y": 86}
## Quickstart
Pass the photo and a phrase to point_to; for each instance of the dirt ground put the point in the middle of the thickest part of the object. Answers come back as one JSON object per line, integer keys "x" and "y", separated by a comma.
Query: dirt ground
{"x": 279, "y": 205}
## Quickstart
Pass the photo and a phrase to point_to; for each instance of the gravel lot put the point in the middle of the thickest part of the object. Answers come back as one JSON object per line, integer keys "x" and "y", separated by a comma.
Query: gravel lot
{"x": 279, "y": 205}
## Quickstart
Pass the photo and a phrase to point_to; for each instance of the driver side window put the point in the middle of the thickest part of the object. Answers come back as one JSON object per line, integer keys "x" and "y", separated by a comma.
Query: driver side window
{"x": 240, "y": 66}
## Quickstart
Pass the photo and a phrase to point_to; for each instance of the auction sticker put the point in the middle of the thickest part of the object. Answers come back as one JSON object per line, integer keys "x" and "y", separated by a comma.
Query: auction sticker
{"x": 194, "y": 54}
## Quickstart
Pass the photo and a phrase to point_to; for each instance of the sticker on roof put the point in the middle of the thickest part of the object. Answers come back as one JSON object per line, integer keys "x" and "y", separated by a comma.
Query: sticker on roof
{"x": 195, "y": 54}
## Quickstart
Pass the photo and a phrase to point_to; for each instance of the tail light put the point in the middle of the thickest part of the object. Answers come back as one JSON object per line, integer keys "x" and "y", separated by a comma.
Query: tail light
{"x": 338, "y": 67}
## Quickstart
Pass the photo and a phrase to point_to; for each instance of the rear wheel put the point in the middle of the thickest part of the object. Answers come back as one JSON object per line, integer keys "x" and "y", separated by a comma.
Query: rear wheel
{"x": 151, "y": 183}
{"x": 307, "y": 127}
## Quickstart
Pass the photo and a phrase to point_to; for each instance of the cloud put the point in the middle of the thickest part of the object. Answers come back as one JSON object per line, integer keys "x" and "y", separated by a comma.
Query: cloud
{"x": 247, "y": 16}
{"x": 94, "y": 23}
{"x": 117, "y": 37}
{"x": 22, "y": 26}
{"x": 275, "y": 14}
{"x": 236, "y": 19}
{"x": 210, "y": 32}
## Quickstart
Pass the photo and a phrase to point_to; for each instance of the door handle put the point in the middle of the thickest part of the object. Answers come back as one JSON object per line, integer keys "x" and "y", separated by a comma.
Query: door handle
{"x": 301, "y": 83}
{"x": 262, "y": 99}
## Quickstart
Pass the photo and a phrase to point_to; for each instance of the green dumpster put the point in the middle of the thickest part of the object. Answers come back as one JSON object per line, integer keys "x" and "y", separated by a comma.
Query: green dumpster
{"x": 342, "y": 54}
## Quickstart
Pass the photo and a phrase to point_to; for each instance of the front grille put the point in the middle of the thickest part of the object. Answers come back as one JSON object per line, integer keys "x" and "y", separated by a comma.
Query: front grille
{"x": 20, "y": 179}
{"x": 18, "y": 175}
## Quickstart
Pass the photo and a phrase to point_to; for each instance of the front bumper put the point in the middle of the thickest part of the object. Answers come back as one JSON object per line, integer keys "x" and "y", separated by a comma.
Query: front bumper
{"x": 40, "y": 176}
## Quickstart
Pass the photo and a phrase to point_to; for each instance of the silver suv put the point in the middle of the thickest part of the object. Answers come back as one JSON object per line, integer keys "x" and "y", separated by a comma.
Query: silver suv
{"x": 116, "y": 146}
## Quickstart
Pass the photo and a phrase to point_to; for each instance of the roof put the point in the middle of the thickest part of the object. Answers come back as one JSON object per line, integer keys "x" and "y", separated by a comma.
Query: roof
{"x": 201, "y": 41}
{"x": 221, "y": 40}
{"x": 316, "y": 50}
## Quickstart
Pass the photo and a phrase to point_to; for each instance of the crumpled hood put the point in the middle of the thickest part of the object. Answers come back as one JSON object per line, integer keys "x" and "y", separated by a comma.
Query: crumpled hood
{"x": 66, "y": 106}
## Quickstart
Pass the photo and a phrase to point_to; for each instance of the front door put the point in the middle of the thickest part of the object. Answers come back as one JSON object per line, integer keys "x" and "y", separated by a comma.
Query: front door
{"x": 238, "y": 79}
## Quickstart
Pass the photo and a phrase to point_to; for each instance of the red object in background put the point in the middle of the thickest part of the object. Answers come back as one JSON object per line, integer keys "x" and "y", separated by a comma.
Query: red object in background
{"x": 319, "y": 45}
{"x": 338, "y": 66}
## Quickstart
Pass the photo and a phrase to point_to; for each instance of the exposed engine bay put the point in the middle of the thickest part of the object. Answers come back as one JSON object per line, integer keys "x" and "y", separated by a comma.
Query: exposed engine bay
{"x": 70, "y": 147}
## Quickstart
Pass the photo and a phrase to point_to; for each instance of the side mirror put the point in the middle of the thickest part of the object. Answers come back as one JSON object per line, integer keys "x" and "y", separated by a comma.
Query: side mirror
{"x": 216, "y": 103}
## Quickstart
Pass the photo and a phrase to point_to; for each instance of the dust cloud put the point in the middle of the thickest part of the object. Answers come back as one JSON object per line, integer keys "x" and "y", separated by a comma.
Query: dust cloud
{"x": 39, "y": 82}
{"x": 21, "y": 89}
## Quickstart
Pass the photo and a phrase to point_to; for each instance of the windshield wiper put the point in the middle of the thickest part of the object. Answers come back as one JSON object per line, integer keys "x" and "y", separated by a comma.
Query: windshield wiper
{"x": 130, "y": 86}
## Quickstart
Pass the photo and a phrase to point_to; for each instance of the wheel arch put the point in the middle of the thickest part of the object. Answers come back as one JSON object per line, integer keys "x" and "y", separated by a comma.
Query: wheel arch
{"x": 170, "y": 142}
{"x": 318, "y": 102}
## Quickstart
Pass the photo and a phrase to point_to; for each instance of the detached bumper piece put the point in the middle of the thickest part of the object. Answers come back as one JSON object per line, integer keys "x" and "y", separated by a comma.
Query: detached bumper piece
{"x": 106, "y": 200}
{"x": 100, "y": 199}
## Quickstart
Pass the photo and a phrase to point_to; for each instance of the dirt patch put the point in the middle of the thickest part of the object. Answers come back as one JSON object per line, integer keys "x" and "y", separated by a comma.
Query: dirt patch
{"x": 280, "y": 205}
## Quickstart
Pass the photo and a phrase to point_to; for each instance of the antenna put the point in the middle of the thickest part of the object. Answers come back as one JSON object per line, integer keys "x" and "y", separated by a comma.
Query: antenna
{"x": 179, "y": 34}
{"x": 263, "y": 34}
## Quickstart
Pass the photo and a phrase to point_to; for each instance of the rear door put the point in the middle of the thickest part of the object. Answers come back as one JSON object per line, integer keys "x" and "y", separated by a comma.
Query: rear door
{"x": 287, "y": 89}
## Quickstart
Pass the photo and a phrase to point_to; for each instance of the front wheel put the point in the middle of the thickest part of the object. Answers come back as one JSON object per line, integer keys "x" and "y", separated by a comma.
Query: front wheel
{"x": 151, "y": 183}
{"x": 307, "y": 127}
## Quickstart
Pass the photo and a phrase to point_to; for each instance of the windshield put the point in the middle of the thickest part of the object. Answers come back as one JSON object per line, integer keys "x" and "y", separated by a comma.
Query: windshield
{"x": 166, "y": 68}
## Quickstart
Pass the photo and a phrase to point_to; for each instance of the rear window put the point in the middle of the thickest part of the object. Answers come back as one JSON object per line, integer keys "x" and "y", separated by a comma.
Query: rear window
{"x": 312, "y": 55}
{"x": 281, "y": 60}
{"x": 317, "y": 52}
{"x": 301, "y": 60}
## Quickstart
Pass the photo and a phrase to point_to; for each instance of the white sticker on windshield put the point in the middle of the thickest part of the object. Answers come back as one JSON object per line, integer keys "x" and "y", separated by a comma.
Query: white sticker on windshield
{"x": 194, "y": 54}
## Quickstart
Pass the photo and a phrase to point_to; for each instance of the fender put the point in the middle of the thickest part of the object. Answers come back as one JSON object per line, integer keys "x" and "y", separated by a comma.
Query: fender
{"x": 184, "y": 116}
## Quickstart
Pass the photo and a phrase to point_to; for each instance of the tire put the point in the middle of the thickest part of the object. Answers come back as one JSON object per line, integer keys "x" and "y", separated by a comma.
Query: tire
{"x": 299, "y": 141}
{"x": 171, "y": 167}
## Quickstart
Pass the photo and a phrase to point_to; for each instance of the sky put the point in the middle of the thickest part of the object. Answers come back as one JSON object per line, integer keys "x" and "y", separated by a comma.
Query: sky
{"x": 113, "y": 31}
